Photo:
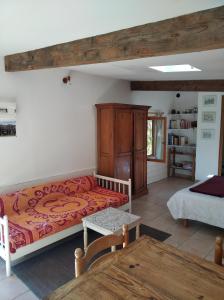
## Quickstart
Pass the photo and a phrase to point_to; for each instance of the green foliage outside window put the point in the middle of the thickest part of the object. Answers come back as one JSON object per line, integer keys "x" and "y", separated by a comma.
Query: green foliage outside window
{"x": 149, "y": 138}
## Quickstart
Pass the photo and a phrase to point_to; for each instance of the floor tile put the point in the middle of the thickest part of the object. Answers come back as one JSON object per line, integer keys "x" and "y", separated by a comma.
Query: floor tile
{"x": 11, "y": 288}
{"x": 2, "y": 269}
{"x": 200, "y": 243}
{"x": 27, "y": 296}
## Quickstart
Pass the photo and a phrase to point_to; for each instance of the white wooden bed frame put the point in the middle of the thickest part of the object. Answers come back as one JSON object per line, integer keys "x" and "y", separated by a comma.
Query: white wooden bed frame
{"x": 11, "y": 258}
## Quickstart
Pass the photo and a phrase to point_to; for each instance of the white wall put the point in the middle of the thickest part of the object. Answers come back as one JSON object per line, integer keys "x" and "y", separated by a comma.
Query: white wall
{"x": 185, "y": 101}
{"x": 56, "y": 130}
{"x": 208, "y": 151}
{"x": 160, "y": 101}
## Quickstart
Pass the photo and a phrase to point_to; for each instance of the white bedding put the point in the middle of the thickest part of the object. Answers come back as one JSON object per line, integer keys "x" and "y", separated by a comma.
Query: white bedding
{"x": 185, "y": 204}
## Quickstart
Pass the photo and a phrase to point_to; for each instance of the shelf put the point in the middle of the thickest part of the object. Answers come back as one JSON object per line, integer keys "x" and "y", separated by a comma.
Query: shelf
{"x": 182, "y": 146}
{"x": 191, "y": 114}
{"x": 180, "y": 168}
{"x": 183, "y": 153}
{"x": 182, "y": 128}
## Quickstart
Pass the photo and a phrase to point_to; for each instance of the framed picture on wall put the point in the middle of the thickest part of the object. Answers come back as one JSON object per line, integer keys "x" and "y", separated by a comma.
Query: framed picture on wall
{"x": 209, "y": 100}
{"x": 7, "y": 119}
{"x": 208, "y": 116}
{"x": 208, "y": 134}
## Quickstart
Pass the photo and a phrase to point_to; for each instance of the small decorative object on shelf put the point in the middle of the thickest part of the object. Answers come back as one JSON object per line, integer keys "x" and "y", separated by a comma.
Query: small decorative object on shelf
{"x": 195, "y": 109}
{"x": 194, "y": 124}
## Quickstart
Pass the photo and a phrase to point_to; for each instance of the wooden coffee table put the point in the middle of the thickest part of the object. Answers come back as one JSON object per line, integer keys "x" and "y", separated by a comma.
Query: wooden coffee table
{"x": 110, "y": 221}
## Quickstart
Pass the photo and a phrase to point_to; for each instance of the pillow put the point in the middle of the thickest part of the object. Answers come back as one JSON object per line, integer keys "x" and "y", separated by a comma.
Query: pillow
{"x": 81, "y": 184}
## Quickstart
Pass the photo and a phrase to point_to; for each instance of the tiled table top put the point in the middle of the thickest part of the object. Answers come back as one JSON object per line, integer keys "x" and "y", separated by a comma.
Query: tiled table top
{"x": 111, "y": 220}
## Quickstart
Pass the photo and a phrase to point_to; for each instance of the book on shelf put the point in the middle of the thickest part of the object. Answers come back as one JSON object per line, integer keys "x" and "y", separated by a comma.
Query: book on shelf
{"x": 181, "y": 124}
{"x": 177, "y": 140}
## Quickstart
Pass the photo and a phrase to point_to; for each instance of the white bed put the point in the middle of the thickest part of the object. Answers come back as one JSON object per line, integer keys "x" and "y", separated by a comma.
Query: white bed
{"x": 185, "y": 204}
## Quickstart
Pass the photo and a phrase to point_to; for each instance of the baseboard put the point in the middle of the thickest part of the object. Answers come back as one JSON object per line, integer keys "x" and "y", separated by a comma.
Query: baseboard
{"x": 140, "y": 194}
{"x": 183, "y": 176}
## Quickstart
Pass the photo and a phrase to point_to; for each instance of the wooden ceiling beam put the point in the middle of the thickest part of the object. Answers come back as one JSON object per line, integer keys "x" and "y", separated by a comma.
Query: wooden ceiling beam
{"x": 200, "y": 31}
{"x": 179, "y": 85}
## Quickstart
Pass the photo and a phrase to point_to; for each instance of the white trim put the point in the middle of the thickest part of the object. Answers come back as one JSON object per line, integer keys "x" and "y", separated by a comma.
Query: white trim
{"x": 7, "y": 248}
{"x": 4, "y": 246}
{"x": 23, "y": 251}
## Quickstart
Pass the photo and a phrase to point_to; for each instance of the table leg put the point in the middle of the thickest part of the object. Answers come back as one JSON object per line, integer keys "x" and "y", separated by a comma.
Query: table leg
{"x": 137, "y": 231}
{"x": 85, "y": 237}
{"x": 113, "y": 248}
{"x": 185, "y": 222}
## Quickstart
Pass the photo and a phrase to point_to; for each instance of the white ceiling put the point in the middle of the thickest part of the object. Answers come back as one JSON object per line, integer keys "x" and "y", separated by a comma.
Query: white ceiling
{"x": 32, "y": 24}
{"x": 210, "y": 62}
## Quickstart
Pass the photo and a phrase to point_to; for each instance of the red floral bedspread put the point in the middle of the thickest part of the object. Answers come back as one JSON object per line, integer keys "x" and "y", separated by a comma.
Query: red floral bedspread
{"x": 37, "y": 212}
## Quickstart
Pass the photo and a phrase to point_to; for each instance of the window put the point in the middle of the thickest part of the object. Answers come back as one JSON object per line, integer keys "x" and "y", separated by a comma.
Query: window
{"x": 156, "y": 139}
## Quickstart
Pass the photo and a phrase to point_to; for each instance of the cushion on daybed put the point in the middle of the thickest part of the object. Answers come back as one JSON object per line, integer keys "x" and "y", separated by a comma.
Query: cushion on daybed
{"x": 13, "y": 203}
{"x": 213, "y": 186}
{"x": 40, "y": 211}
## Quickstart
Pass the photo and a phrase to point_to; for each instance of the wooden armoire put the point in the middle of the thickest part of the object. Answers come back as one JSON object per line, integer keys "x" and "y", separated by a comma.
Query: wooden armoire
{"x": 122, "y": 143}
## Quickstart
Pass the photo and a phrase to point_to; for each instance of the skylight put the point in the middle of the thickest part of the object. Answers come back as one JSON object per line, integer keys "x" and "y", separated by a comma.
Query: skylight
{"x": 176, "y": 68}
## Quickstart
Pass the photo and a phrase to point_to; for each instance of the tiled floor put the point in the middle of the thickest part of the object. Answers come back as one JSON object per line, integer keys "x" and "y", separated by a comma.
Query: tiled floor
{"x": 197, "y": 238}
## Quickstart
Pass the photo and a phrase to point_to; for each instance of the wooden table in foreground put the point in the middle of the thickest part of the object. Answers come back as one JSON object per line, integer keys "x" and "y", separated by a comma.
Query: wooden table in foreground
{"x": 147, "y": 269}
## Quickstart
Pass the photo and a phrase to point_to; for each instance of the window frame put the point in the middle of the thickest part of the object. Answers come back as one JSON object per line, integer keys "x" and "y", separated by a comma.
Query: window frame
{"x": 164, "y": 119}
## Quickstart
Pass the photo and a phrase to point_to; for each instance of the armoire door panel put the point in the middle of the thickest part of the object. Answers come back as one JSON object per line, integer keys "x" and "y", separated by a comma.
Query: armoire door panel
{"x": 105, "y": 166}
{"x": 123, "y": 131}
{"x": 140, "y": 171}
{"x": 140, "y": 133}
{"x": 123, "y": 167}
{"x": 106, "y": 131}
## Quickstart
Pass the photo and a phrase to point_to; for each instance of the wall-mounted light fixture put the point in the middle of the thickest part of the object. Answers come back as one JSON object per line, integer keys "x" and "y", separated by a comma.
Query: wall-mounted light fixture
{"x": 66, "y": 80}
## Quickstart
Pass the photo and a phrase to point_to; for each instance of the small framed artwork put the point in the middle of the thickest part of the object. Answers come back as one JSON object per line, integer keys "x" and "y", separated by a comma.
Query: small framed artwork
{"x": 208, "y": 134}
{"x": 209, "y": 100}
{"x": 7, "y": 119}
{"x": 208, "y": 116}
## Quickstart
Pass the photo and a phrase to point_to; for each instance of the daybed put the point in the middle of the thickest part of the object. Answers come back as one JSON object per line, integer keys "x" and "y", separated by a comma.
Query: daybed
{"x": 35, "y": 217}
{"x": 189, "y": 205}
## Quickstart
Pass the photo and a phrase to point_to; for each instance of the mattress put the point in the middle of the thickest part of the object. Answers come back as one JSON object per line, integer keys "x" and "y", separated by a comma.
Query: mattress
{"x": 185, "y": 204}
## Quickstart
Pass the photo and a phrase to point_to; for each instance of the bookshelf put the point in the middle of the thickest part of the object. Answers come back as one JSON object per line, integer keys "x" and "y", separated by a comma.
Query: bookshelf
{"x": 187, "y": 166}
{"x": 182, "y": 134}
